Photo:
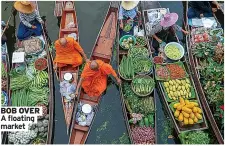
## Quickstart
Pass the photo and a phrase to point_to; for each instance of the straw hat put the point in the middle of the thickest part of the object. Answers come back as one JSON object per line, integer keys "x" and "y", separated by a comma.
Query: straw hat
{"x": 169, "y": 19}
{"x": 24, "y": 7}
{"x": 128, "y": 5}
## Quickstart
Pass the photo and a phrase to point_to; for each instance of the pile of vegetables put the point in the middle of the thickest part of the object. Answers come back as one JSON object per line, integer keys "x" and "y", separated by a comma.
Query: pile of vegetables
{"x": 40, "y": 64}
{"x": 178, "y": 88}
{"x": 176, "y": 71}
{"x": 142, "y": 85}
{"x": 187, "y": 112}
{"x": 128, "y": 43}
{"x": 142, "y": 65}
{"x": 173, "y": 52}
{"x": 147, "y": 121}
{"x": 127, "y": 27}
{"x": 203, "y": 50}
{"x": 3, "y": 71}
{"x": 201, "y": 38}
{"x": 158, "y": 60}
{"x": 126, "y": 68}
{"x": 141, "y": 41}
{"x": 19, "y": 82}
{"x": 194, "y": 137}
{"x": 162, "y": 72}
{"x": 138, "y": 51}
{"x": 22, "y": 137}
{"x": 143, "y": 135}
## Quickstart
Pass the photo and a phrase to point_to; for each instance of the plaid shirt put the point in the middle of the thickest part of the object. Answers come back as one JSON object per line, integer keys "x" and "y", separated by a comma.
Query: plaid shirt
{"x": 27, "y": 18}
{"x": 127, "y": 13}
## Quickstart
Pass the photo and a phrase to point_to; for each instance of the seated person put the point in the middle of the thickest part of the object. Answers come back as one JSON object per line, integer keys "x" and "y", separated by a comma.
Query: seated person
{"x": 201, "y": 9}
{"x": 161, "y": 29}
{"x": 68, "y": 52}
{"x": 94, "y": 78}
{"x": 128, "y": 11}
{"x": 31, "y": 21}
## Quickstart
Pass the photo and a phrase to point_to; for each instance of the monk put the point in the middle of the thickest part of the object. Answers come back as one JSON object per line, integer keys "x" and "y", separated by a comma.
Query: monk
{"x": 68, "y": 52}
{"x": 94, "y": 78}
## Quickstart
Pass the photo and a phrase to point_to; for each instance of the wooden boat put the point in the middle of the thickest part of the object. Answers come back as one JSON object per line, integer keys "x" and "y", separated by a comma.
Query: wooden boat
{"x": 178, "y": 126}
{"x": 68, "y": 16}
{"x": 102, "y": 50}
{"x": 48, "y": 139}
{"x": 196, "y": 76}
{"x": 58, "y": 8}
{"x": 126, "y": 112}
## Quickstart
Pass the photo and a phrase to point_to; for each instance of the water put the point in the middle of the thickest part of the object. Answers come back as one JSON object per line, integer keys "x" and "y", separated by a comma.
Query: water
{"x": 109, "y": 126}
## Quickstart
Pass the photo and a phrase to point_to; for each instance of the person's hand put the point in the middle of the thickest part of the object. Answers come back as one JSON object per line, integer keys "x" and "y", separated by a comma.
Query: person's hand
{"x": 119, "y": 81}
{"x": 121, "y": 25}
{"x": 76, "y": 93}
{"x": 55, "y": 67}
{"x": 160, "y": 41}
{"x": 186, "y": 32}
{"x": 201, "y": 15}
{"x": 33, "y": 27}
{"x": 214, "y": 10}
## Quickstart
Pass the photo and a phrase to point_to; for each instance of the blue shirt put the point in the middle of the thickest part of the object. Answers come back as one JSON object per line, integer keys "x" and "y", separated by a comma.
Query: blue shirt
{"x": 127, "y": 13}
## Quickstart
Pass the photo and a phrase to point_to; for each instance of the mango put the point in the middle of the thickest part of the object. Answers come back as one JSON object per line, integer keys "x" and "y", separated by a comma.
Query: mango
{"x": 195, "y": 103}
{"x": 171, "y": 93}
{"x": 181, "y": 100}
{"x": 190, "y": 121}
{"x": 190, "y": 105}
{"x": 186, "y": 115}
{"x": 179, "y": 107}
{"x": 176, "y": 113}
{"x": 198, "y": 116}
{"x": 186, "y": 102}
{"x": 179, "y": 87}
{"x": 195, "y": 119}
{"x": 187, "y": 110}
{"x": 186, "y": 86}
{"x": 178, "y": 93}
{"x": 171, "y": 88}
{"x": 199, "y": 110}
{"x": 174, "y": 88}
{"x": 171, "y": 83}
{"x": 176, "y": 105}
{"x": 192, "y": 115}
{"x": 194, "y": 109}
{"x": 183, "y": 88}
{"x": 181, "y": 93}
{"x": 178, "y": 81}
{"x": 185, "y": 121}
{"x": 181, "y": 117}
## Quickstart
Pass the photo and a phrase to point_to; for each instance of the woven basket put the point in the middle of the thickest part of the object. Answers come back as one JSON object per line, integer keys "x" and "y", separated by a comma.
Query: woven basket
{"x": 144, "y": 39}
{"x": 122, "y": 76}
{"x": 132, "y": 86}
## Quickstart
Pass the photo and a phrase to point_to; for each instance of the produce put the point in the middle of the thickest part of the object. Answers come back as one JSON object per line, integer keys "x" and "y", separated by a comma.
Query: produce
{"x": 41, "y": 79}
{"x": 143, "y": 135}
{"x": 202, "y": 50}
{"x": 201, "y": 38}
{"x": 178, "y": 88}
{"x": 4, "y": 84}
{"x": 126, "y": 68}
{"x": 218, "y": 53}
{"x": 216, "y": 32}
{"x": 138, "y": 51}
{"x": 135, "y": 117}
{"x": 3, "y": 71}
{"x": 20, "y": 98}
{"x": 173, "y": 52}
{"x": 187, "y": 112}
{"x": 2, "y": 99}
{"x": 142, "y": 85}
{"x": 147, "y": 105}
{"x": 38, "y": 95}
{"x": 22, "y": 137}
{"x": 158, "y": 60}
{"x": 162, "y": 72}
{"x": 141, "y": 41}
{"x": 19, "y": 82}
{"x": 176, "y": 71}
{"x": 41, "y": 64}
{"x": 142, "y": 65}
{"x": 44, "y": 110}
{"x": 127, "y": 43}
{"x": 194, "y": 137}
{"x": 127, "y": 27}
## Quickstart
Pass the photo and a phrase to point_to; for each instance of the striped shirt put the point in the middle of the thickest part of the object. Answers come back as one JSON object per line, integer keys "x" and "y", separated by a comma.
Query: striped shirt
{"x": 127, "y": 13}
{"x": 154, "y": 28}
{"x": 27, "y": 18}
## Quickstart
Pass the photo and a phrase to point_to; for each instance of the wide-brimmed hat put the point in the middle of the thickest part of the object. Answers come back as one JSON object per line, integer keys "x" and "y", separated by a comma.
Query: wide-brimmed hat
{"x": 128, "y": 5}
{"x": 169, "y": 19}
{"x": 24, "y": 7}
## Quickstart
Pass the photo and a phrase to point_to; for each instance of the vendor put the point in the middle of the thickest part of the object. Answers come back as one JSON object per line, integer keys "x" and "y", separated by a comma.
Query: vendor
{"x": 94, "y": 78}
{"x": 4, "y": 39}
{"x": 201, "y": 9}
{"x": 30, "y": 20}
{"x": 128, "y": 11}
{"x": 68, "y": 52}
{"x": 160, "y": 30}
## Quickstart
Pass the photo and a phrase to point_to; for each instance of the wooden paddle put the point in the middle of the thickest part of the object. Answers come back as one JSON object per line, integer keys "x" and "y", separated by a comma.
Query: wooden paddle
{"x": 7, "y": 24}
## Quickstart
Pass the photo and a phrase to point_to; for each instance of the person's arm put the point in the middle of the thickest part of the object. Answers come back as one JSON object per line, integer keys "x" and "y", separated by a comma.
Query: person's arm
{"x": 157, "y": 38}
{"x": 38, "y": 17}
{"x": 23, "y": 20}
{"x": 80, "y": 50}
{"x": 178, "y": 28}
{"x": 110, "y": 71}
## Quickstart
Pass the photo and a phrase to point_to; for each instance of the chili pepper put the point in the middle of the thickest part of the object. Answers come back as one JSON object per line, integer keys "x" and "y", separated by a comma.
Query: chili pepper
{"x": 222, "y": 107}
{"x": 176, "y": 71}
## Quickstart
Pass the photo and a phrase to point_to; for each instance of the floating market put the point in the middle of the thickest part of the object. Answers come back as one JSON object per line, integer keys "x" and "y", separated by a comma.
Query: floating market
{"x": 162, "y": 72}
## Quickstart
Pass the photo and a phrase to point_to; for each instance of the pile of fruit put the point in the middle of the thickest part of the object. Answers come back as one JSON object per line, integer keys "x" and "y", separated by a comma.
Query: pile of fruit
{"x": 141, "y": 41}
{"x": 178, "y": 88}
{"x": 173, "y": 52}
{"x": 128, "y": 43}
{"x": 187, "y": 112}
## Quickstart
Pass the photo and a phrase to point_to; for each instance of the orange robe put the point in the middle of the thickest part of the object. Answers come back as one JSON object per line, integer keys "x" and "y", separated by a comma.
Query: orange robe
{"x": 70, "y": 54}
{"x": 95, "y": 82}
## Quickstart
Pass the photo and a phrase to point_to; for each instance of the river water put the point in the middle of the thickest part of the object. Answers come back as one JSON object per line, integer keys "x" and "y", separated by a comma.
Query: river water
{"x": 109, "y": 126}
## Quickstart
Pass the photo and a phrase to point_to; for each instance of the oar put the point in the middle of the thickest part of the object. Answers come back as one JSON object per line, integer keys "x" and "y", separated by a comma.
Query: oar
{"x": 7, "y": 22}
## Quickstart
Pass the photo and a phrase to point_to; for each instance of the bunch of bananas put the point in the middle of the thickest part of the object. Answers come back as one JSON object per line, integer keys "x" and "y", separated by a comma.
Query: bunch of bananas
{"x": 178, "y": 88}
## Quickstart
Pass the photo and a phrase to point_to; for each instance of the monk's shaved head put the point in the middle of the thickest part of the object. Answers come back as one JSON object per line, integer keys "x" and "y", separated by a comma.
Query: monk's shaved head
{"x": 94, "y": 65}
{"x": 62, "y": 41}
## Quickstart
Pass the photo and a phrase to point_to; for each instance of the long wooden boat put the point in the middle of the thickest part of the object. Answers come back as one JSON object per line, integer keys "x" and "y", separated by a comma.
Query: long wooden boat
{"x": 50, "y": 102}
{"x": 196, "y": 76}
{"x": 125, "y": 105}
{"x": 102, "y": 50}
{"x": 178, "y": 126}
{"x": 68, "y": 16}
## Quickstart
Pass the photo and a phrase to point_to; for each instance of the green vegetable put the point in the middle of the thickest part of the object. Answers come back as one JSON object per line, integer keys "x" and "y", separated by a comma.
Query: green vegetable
{"x": 194, "y": 137}
{"x": 138, "y": 51}
{"x": 127, "y": 27}
{"x": 142, "y": 64}
{"x": 142, "y": 85}
{"x": 141, "y": 41}
{"x": 2, "y": 99}
{"x": 141, "y": 123}
{"x": 146, "y": 122}
{"x": 126, "y": 68}
{"x": 4, "y": 73}
{"x": 151, "y": 119}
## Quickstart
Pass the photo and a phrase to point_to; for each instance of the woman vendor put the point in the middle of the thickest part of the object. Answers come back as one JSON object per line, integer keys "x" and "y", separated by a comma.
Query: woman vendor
{"x": 31, "y": 21}
{"x": 128, "y": 11}
{"x": 160, "y": 30}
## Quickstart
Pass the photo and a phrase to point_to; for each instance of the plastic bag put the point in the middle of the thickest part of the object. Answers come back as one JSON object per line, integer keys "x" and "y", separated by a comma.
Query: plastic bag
{"x": 70, "y": 25}
{"x": 66, "y": 88}
{"x": 90, "y": 118}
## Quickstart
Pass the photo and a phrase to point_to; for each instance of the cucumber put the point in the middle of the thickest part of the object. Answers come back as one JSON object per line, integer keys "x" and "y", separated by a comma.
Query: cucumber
{"x": 146, "y": 122}
{"x": 151, "y": 120}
